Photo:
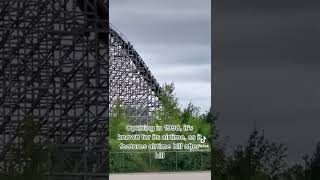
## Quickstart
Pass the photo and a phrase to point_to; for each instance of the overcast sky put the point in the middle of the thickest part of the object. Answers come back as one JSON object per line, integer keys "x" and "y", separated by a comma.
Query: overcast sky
{"x": 268, "y": 71}
{"x": 173, "y": 37}
{"x": 266, "y": 55}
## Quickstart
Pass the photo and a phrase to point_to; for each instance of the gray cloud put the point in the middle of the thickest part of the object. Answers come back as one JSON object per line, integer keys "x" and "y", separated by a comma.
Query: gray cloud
{"x": 268, "y": 34}
{"x": 267, "y": 69}
{"x": 176, "y": 54}
{"x": 164, "y": 22}
{"x": 184, "y": 73}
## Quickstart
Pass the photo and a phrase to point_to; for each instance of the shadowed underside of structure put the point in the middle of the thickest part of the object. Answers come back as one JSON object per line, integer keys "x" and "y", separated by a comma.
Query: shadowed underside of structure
{"x": 63, "y": 67}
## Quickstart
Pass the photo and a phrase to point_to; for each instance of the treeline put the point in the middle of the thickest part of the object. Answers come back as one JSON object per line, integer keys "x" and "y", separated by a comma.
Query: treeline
{"x": 29, "y": 160}
{"x": 260, "y": 159}
{"x": 169, "y": 113}
{"x": 257, "y": 159}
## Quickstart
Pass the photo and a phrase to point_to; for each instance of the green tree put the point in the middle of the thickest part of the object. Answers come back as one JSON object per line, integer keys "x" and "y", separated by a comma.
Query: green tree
{"x": 312, "y": 170}
{"x": 169, "y": 110}
{"x": 169, "y": 113}
{"x": 258, "y": 158}
{"x": 32, "y": 156}
{"x": 218, "y": 148}
{"x": 295, "y": 172}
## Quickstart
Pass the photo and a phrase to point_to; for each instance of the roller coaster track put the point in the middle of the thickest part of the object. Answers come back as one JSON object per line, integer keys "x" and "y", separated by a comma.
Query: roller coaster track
{"x": 136, "y": 59}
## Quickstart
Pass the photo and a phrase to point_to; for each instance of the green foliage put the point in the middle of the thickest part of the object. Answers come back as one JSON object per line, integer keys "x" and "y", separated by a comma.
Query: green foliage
{"x": 117, "y": 120}
{"x": 168, "y": 113}
{"x": 169, "y": 110}
{"x": 312, "y": 165}
{"x": 259, "y": 157}
{"x": 31, "y": 156}
{"x": 295, "y": 172}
